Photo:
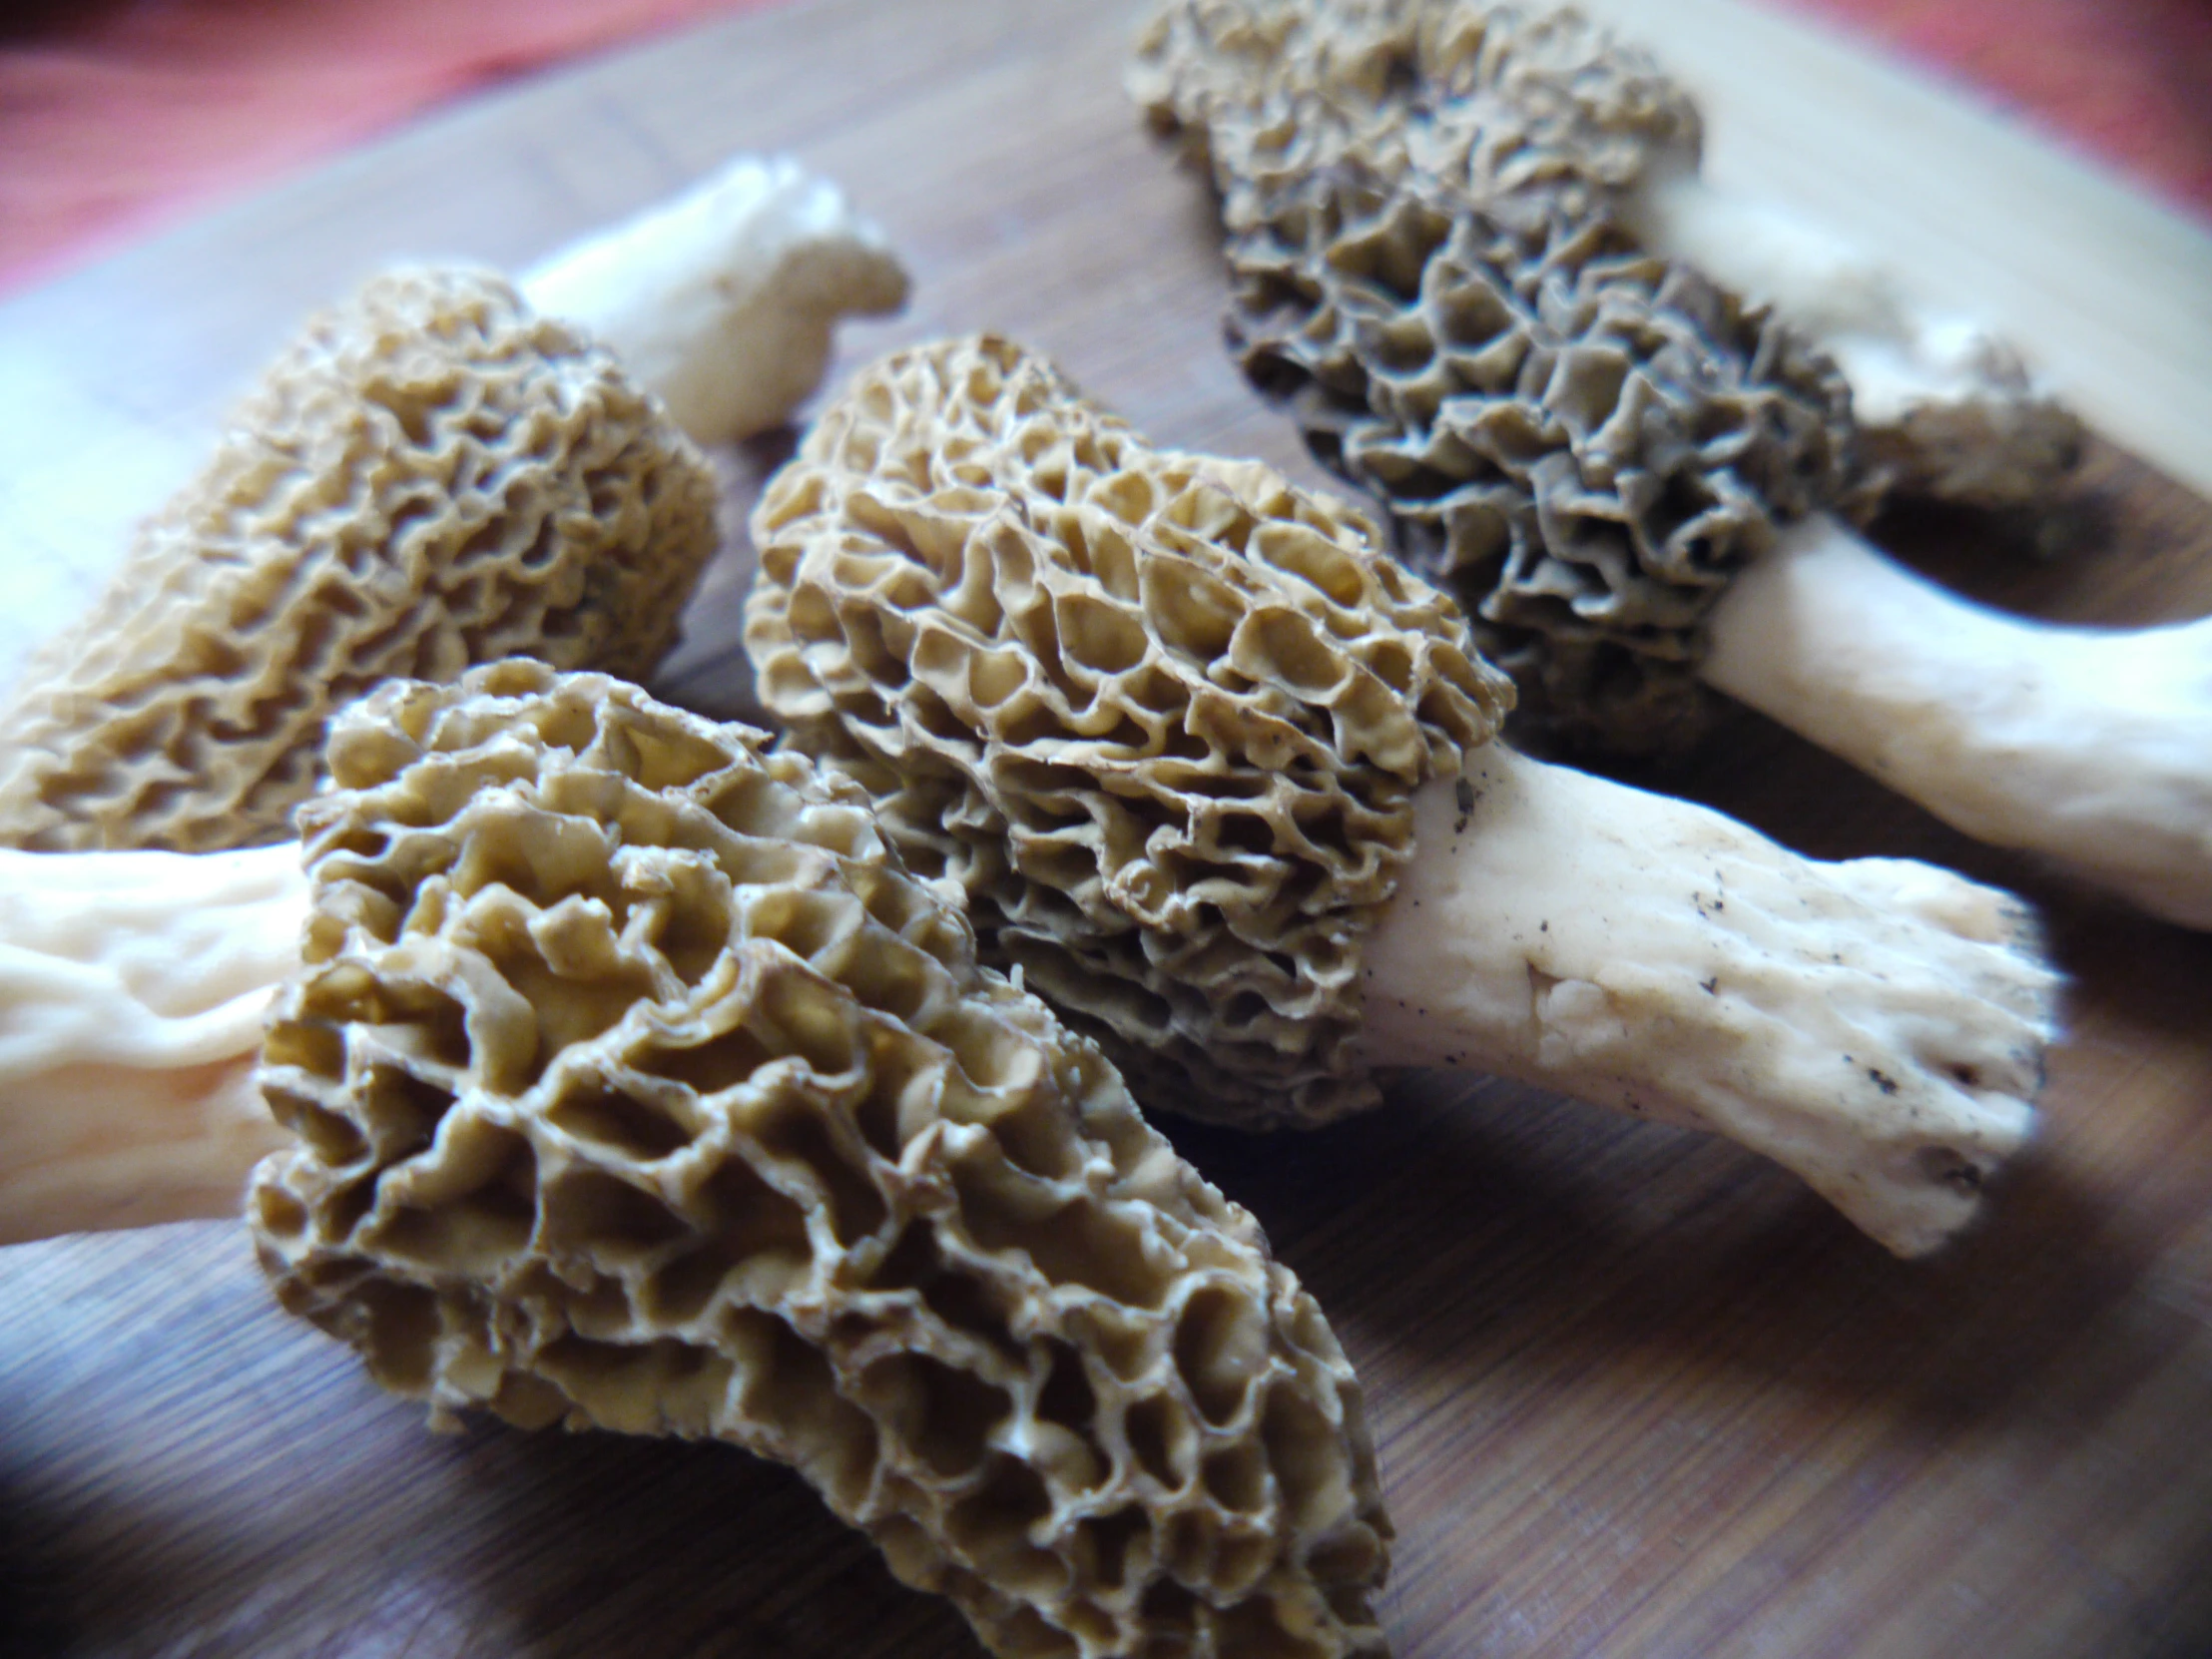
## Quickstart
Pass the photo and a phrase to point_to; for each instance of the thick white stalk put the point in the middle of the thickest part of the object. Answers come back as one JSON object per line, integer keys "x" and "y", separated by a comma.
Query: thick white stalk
{"x": 2090, "y": 747}
{"x": 132, "y": 991}
{"x": 1876, "y": 1026}
{"x": 1940, "y": 397}
{"x": 721, "y": 299}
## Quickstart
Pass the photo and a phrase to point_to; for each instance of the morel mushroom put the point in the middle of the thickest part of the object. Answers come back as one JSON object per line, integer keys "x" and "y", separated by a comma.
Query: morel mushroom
{"x": 434, "y": 475}
{"x": 1546, "y": 111}
{"x": 1589, "y": 444}
{"x": 639, "y": 1086}
{"x": 1214, "y": 775}
{"x": 1583, "y": 444}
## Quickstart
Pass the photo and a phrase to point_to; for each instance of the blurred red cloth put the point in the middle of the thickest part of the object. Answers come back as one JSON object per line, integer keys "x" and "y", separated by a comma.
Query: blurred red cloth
{"x": 119, "y": 116}
{"x": 2128, "y": 82}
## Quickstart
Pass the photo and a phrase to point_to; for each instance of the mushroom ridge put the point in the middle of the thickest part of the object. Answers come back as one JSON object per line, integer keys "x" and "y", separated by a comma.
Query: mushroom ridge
{"x": 1581, "y": 441}
{"x": 636, "y": 1086}
{"x": 1160, "y": 716}
{"x": 1545, "y": 107}
{"x": 429, "y": 477}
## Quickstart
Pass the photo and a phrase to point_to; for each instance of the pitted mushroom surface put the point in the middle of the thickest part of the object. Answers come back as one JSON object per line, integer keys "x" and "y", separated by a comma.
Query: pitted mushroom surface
{"x": 1503, "y": 102}
{"x": 639, "y": 1086}
{"x": 1674, "y": 518}
{"x": 432, "y": 476}
{"x": 1534, "y": 111}
{"x": 1159, "y": 715}
{"x": 1581, "y": 441}
{"x": 1072, "y": 672}
{"x": 438, "y": 473}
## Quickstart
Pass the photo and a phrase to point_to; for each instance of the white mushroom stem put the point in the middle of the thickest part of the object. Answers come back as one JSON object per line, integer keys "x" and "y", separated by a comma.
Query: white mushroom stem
{"x": 2090, "y": 747}
{"x": 1940, "y": 394}
{"x": 1876, "y": 1026}
{"x": 132, "y": 990}
{"x": 722, "y": 300}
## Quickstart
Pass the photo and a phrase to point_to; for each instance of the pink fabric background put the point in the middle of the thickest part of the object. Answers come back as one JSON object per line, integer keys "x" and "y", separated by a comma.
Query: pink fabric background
{"x": 2128, "y": 82}
{"x": 120, "y": 116}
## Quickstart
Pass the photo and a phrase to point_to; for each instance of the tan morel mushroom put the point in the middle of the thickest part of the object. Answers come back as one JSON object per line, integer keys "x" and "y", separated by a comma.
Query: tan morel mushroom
{"x": 432, "y": 476}
{"x": 435, "y": 474}
{"x": 1213, "y": 773}
{"x": 1588, "y": 444}
{"x": 1541, "y": 110}
{"x": 637, "y": 1086}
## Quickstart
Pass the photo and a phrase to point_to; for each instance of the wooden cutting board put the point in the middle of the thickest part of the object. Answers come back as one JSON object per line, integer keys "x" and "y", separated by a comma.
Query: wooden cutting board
{"x": 1636, "y": 1393}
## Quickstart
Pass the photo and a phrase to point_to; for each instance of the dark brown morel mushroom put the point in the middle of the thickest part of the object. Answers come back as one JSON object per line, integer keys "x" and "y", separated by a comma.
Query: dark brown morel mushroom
{"x": 1634, "y": 479}
{"x": 1541, "y": 111}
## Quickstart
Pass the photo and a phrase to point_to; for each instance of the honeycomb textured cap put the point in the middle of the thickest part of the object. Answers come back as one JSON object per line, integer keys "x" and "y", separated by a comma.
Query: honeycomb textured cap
{"x": 431, "y": 477}
{"x": 636, "y": 1086}
{"x": 1581, "y": 441}
{"x": 1160, "y": 716}
{"x": 1496, "y": 101}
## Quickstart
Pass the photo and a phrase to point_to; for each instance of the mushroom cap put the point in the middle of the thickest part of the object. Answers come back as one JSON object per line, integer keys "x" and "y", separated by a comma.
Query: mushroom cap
{"x": 637, "y": 1086}
{"x": 1160, "y": 716}
{"x": 429, "y": 477}
{"x": 1494, "y": 100}
{"x": 1581, "y": 441}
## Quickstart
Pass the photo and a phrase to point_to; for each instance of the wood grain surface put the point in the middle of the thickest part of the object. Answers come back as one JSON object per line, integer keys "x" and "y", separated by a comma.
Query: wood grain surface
{"x": 1637, "y": 1394}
